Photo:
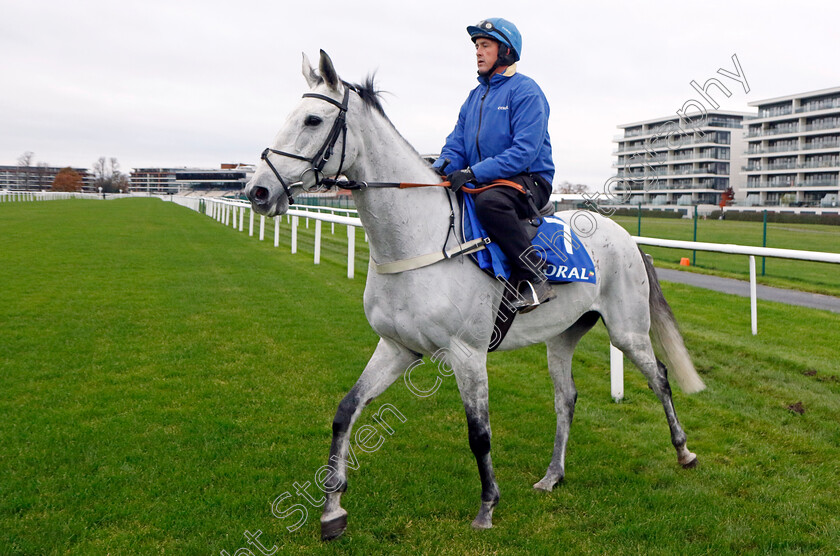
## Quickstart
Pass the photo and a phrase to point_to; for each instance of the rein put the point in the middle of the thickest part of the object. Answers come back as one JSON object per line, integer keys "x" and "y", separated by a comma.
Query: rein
{"x": 357, "y": 185}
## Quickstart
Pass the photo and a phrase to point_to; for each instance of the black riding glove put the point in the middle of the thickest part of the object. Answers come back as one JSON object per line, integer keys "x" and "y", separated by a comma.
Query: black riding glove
{"x": 458, "y": 179}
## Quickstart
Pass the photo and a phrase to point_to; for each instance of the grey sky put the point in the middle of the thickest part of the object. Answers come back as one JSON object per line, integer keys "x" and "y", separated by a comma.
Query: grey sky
{"x": 189, "y": 83}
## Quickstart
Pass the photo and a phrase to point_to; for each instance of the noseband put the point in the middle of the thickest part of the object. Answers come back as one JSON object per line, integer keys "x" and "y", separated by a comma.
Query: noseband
{"x": 322, "y": 156}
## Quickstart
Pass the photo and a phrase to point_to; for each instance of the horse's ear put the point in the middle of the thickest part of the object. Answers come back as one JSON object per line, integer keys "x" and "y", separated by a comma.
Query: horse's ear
{"x": 328, "y": 72}
{"x": 309, "y": 72}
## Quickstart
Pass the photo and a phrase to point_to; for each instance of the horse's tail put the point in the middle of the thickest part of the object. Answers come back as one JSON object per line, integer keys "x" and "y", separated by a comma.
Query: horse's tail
{"x": 667, "y": 338}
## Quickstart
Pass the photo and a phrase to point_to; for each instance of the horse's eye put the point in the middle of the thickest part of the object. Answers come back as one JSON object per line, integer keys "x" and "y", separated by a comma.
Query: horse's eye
{"x": 312, "y": 120}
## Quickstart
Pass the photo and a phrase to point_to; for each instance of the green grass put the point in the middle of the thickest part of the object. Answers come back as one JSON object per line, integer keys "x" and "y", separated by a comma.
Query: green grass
{"x": 163, "y": 379}
{"x": 808, "y": 276}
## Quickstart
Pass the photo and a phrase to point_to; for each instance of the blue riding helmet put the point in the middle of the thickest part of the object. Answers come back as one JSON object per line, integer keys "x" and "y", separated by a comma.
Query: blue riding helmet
{"x": 500, "y": 30}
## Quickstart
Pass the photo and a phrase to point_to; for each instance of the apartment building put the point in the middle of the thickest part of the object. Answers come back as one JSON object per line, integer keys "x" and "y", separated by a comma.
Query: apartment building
{"x": 793, "y": 150}
{"x": 685, "y": 162}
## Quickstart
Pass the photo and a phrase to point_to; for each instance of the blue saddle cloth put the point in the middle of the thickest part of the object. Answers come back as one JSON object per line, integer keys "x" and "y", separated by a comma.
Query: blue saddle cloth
{"x": 555, "y": 242}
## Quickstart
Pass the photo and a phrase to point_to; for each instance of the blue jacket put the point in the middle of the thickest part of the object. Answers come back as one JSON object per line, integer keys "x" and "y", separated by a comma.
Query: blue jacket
{"x": 502, "y": 131}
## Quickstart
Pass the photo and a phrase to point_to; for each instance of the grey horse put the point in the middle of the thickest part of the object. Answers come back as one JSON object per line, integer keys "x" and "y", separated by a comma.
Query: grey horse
{"x": 447, "y": 309}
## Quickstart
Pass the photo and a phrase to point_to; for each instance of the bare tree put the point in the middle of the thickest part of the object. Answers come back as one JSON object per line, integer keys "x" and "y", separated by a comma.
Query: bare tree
{"x": 100, "y": 173}
{"x": 107, "y": 175}
{"x": 120, "y": 183}
{"x": 25, "y": 161}
{"x": 572, "y": 188}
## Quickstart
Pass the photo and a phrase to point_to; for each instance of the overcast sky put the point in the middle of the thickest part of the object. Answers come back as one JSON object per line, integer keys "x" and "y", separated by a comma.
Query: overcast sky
{"x": 198, "y": 83}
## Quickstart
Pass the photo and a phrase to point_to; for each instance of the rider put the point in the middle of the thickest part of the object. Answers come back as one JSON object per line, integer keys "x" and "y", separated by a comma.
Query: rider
{"x": 502, "y": 132}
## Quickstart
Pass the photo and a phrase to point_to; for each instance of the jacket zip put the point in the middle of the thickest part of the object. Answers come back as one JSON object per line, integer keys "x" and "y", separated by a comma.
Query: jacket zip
{"x": 480, "y": 111}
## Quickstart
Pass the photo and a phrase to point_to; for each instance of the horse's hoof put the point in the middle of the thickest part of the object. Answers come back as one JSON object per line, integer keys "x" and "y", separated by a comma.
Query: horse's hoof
{"x": 482, "y": 524}
{"x": 484, "y": 519}
{"x": 547, "y": 483}
{"x": 691, "y": 464}
{"x": 334, "y": 528}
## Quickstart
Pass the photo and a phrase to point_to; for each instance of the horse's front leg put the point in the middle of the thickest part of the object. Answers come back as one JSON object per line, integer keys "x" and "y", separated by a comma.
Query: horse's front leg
{"x": 471, "y": 375}
{"x": 388, "y": 362}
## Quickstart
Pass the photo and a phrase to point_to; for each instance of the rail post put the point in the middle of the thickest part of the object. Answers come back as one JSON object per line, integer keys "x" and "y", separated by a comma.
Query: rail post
{"x": 616, "y": 373}
{"x": 753, "y": 302}
{"x": 294, "y": 234}
{"x": 764, "y": 241}
{"x": 317, "y": 242}
{"x": 351, "y": 251}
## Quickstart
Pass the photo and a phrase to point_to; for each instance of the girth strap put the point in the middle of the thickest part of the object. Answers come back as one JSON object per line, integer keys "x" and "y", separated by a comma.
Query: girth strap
{"x": 430, "y": 258}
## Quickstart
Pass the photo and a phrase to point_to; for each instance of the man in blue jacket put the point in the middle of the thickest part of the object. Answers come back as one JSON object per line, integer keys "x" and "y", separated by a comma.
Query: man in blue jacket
{"x": 502, "y": 132}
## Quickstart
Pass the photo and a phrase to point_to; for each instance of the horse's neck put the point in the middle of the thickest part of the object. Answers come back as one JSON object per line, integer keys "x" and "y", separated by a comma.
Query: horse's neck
{"x": 400, "y": 223}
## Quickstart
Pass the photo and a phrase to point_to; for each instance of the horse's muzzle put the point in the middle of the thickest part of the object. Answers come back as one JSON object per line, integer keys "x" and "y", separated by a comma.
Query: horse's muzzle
{"x": 259, "y": 195}
{"x": 264, "y": 200}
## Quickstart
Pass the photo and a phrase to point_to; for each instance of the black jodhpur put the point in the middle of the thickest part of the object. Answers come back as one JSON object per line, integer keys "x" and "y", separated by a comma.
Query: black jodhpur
{"x": 501, "y": 211}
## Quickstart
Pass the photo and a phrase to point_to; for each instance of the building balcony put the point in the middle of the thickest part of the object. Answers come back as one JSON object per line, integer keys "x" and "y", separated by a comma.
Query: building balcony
{"x": 821, "y": 145}
{"x": 826, "y": 104}
{"x": 833, "y": 162}
{"x": 787, "y": 184}
{"x": 807, "y": 166}
{"x": 819, "y": 126}
{"x": 775, "y": 112}
{"x": 752, "y": 134}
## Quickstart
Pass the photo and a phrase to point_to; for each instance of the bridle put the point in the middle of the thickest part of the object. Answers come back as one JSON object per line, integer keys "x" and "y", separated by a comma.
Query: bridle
{"x": 323, "y": 154}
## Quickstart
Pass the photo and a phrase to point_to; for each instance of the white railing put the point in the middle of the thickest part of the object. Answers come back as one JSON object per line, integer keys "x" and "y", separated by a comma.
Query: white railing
{"x": 27, "y": 196}
{"x": 752, "y": 252}
{"x": 231, "y": 212}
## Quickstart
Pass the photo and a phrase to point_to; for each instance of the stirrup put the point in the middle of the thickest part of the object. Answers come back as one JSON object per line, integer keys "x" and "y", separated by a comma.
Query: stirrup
{"x": 532, "y": 295}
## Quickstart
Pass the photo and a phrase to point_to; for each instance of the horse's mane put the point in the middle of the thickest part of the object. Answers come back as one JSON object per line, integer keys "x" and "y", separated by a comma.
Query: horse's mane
{"x": 368, "y": 92}
{"x": 371, "y": 97}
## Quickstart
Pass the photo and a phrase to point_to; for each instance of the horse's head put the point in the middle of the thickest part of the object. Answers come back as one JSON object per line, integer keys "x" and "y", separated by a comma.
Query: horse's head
{"x": 313, "y": 143}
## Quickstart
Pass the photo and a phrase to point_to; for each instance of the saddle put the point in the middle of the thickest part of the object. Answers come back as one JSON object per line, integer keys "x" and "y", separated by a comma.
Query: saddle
{"x": 552, "y": 239}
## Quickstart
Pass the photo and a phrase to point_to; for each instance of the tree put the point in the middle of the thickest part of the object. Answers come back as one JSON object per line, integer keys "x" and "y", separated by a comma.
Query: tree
{"x": 67, "y": 179}
{"x": 100, "y": 173}
{"x": 118, "y": 181}
{"x": 25, "y": 161}
{"x": 107, "y": 175}
{"x": 571, "y": 188}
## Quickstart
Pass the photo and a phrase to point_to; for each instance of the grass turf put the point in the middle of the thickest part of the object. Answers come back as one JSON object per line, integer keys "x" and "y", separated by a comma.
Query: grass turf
{"x": 163, "y": 379}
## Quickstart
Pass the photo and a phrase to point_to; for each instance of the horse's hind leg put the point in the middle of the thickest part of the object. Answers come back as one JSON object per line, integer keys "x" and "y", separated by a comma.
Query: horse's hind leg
{"x": 560, "y": 350}
{"x": 638, "y": 348}
{"x": 388, "y": 362}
